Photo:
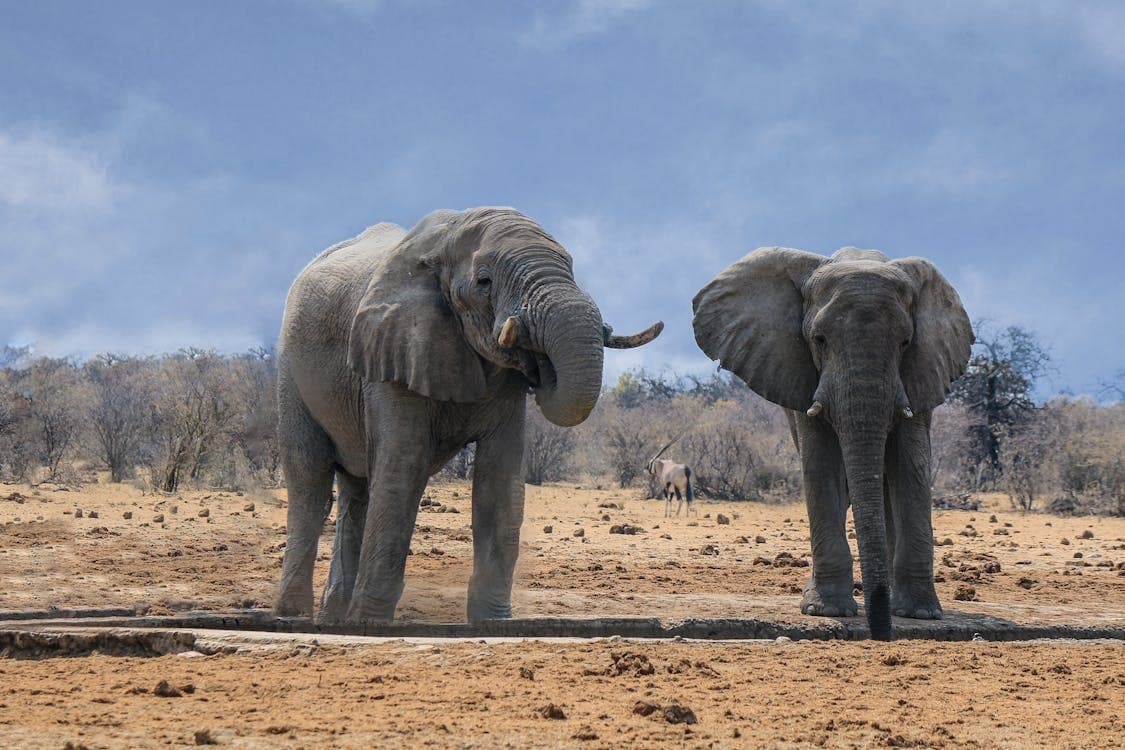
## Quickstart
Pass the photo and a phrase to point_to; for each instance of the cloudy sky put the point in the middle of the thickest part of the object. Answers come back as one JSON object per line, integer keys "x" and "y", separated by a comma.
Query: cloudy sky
{"x": 166, "y": 168}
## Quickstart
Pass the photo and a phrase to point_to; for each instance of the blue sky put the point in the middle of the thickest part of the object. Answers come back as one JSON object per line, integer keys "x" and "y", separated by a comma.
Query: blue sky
{"x": 167, "y": 168}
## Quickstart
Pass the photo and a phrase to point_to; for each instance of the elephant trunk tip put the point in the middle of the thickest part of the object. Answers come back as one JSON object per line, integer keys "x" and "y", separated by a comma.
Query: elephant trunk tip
{"x": 878, "y": 605}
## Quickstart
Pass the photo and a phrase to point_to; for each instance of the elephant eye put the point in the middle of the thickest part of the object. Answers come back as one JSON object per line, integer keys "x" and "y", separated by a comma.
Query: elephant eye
{"x": 820, "y": 340}
{"x": 484, "y": 282}
{"x": 905, "y": 343}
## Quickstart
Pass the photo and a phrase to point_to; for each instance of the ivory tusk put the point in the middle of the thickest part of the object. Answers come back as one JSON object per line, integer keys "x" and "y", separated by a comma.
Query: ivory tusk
{"x": 907, "y": 413}
{"x": 815, "y": 409}
{"x": 631, "y": 342}
{"x": 509, "y": 334}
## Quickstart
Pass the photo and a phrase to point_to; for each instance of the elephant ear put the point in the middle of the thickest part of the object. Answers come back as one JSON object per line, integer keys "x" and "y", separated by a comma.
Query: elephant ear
{"x": 404, "y": 330}
{"x": 943, "y": 336}
{"x": 750, "y": 317}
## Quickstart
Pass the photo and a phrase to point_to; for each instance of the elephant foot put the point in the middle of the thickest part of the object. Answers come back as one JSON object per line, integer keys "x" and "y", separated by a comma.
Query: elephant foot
{"x": 293, "y": 607}
{"x": 917, "y": 601}
{"x": 829, "y": 600}
{"x": 479, "y": 610}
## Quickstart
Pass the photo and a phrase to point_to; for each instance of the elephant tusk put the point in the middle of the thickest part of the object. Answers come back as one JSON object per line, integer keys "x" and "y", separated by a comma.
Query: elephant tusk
{"x": 631, "y": 342}
{"x": 815, "y": 409}
{"x": 509, "y": 334}
{"x": 907, "y": 413}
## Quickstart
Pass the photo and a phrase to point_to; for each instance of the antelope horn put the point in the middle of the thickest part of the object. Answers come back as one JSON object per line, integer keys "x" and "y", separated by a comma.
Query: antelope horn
{"x": 509, "y": 334}
{"x": 631, "y": 342}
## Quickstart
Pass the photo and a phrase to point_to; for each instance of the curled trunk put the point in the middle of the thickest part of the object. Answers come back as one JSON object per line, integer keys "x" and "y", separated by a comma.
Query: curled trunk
{"x": 570, "y": 335}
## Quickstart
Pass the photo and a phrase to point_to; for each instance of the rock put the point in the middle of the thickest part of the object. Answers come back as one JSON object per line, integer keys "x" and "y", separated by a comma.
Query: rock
{"x": 645, "y": 708}
{"x": 677, "y": 714}
{"x": 548, "y": 529}
{"x": 1077, "y": 555}
{"x": 665, "y": 536}
{"x": 992, "y": 519}
{"x": 92, "y": 514}
{"x": 204, "y": 737}
{"x": 759, "y": 539}
{"x": 1026, "y": 582}
{"x": 164, "y": 689}
{"x": 630, "y": 662}
{"x": 585, "y": 733}
{"x": 580, "y": 532}
{"x": 1087, "y": 534}
{"x": 709, "y": 550}
{"x": 965, "y": 594}
{"x": 605, "y": 517}
{"x": 625, "y": 528}
{"x": 158, "y": 518}
{"x": 992, "y": 567}
{"x": 204, "y": 513}
{"x": 77, "y": 512}
{"x": 551, "y": 711}
{"x": 1064, "y": 541}
{"x": 527, "y": 674}
{"x": 610, "y": 506}
{"x": 722, "y": 520}
{"x": 249, "y": 507}
{"x": 127, "y": 515}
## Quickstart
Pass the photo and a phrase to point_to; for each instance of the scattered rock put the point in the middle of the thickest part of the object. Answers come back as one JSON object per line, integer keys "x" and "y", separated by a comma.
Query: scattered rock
{"x": 92, "y": 514}
{"x": 894, "y": 660}
{"x": 1087, "y": 534}
{"x": 947, "y": 542}
{"x": 165, "y": 689}
{"x": 204, "y": 737}
{"x": 722, "y": 520}
{"x": 548, "y": 529}
{"x": 204, "y": 513}
{"x": 580, "y": 532}
{"x": 992, "y": 567}
{"x": 551, "y": 711}
{"x": 605, "y": 517}
{"x": 665, "y": 536}
{"x": 1026, "y": 582}
{"x": 677, "y": 714}
{"x": 127, "y": 515}
{"x": 709, "y": 550}
{"x": 585, "y": 733}
{"x": 249, "y": 507}
{"x": 629, "y": 662}
{"x": 645, "y": 708}
{"x": 1064, "y": 541}
{"x": 158, "y": 518}
{"x": 992, "y": 519}
{"x": 1077, "y": 555}
{"x": 759, "y": 539}
{"x": 77, "y": 512}
{"x": 610, "y": 506}
{"x": 527, "y": 674}
{"x": 626, "y": 528}
{"x": 965, "y": 594}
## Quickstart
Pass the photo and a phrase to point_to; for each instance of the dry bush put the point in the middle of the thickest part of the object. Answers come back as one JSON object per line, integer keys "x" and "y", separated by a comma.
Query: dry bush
{"x": 1088, "y": 457}
{"x": 547, "y": 449}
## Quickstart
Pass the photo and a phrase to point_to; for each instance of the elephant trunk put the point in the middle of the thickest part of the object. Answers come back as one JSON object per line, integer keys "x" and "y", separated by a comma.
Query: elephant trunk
{"x": 861, "y": 410}
{"x": 570, "y": 334}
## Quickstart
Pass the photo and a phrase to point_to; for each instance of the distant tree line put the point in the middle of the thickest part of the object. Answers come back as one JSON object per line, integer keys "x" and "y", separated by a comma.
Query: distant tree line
{"x": 198, "y": 418}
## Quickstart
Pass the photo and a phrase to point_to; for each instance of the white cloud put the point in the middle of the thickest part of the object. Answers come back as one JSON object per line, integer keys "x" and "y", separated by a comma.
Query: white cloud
{"x": 584, "y": 18}
{"x": 40, "y": 172}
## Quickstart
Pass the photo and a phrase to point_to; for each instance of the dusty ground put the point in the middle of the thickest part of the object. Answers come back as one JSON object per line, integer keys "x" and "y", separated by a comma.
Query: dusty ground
{"x": 167, "y": 556}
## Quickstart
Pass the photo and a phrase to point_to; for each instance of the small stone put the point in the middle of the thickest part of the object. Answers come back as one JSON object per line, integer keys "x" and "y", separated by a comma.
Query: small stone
{"x": 1077, "y": 555}
{"x": 1087, "y": 534}
{"x": 249, "y": 507}
{"x": 1064, "y": 541}
{"x": 677, "y": 714}
{"x": 709, "y": 550}
{"x": 551, "y": 711}
{"x": 127, "y": 515}
{"x": 205, "y": 513}
{"x": 605, "y": 517}
{"x": 527, "y": 674}
{"x": 158, "y": 518}
{"x": 759, "y": 539}
{"x": 965, "y": 594}
{"x": 204, "y": 737}
{"x": 548, "y": 529}
{"x": 77, "y": 512}
{"x": 166, "y": 690}
{"x": 174, "y": 509}
{"x": 722, "y": 520}
{"x": 585, "y": 733}
{"x": 92, "y": 514}
{"x": 992, "y": 519}
{"x": 645, "y": 708}
{"x": 580, "y": 532}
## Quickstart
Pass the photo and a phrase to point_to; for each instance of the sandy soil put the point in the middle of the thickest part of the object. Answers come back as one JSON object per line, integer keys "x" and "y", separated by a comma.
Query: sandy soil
{"x": 215, "y": 550}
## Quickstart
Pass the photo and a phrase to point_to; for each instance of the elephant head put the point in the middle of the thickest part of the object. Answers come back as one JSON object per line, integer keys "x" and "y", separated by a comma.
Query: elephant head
{"x": 857, "y": 340}
{"x": 468, "y": 294}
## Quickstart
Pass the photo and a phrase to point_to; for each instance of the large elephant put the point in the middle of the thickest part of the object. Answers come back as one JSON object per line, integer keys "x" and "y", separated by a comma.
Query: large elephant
{"x": 860, "y": 349}
{"x": 399, "y": 348}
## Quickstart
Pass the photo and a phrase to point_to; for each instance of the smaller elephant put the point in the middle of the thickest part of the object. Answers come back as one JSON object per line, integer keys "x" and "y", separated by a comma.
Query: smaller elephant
{"x": 397, "y": 349}
{"x": 860, "y": 349}
{"x": 675, "y": 479}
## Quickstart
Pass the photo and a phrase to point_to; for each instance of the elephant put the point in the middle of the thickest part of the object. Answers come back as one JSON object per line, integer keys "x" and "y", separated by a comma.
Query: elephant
{"x": 397, "y": 349}
{"x": 859, "y": 349}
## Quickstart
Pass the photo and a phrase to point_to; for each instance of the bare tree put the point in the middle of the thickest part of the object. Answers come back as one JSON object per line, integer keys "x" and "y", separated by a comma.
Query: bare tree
{"x": 52, "y": 389}
{"x": 547, "y": 449}
{"x": 120, "y": 411}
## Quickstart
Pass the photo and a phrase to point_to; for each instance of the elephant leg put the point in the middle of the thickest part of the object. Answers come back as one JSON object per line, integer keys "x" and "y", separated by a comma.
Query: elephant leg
{"x": 306, "y": 455}
{"x": 498, "y": 503}
{"x": 829, "y": 590}
{"x": 351, "y": 515}
{"x": 400, "y": 427}
{"x": 908, "y": 481}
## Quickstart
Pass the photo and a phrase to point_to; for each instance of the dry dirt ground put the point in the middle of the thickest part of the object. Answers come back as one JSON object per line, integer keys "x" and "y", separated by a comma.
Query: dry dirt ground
{"x": 221, "y": 550}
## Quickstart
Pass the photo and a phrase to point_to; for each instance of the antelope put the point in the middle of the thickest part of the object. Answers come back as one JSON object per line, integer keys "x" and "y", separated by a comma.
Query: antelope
{"x": 675, "y": 478}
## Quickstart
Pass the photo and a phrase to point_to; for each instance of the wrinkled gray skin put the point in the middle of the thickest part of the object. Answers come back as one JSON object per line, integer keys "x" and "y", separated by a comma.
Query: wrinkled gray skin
{"x": 861, "y": 349}
{"x": 397, "y": 349}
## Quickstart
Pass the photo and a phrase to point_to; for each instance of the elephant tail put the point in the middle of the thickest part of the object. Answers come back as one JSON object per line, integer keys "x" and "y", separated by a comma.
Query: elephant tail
{"x": 687, "y": 480}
